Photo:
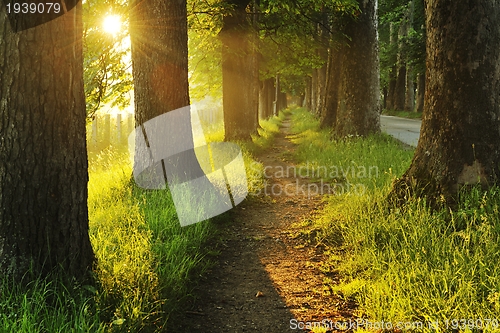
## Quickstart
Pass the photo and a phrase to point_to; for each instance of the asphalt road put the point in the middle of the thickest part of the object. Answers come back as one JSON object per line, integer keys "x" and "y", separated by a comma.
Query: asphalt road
{"x": 405, "y": 130}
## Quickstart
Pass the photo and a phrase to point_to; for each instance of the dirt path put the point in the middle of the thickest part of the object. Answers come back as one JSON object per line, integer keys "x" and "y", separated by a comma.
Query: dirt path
{"x": 266, "y": 277}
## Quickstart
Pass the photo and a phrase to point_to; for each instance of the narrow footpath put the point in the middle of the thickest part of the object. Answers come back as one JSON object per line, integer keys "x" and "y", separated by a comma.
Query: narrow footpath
{"x": 267, "y": 277}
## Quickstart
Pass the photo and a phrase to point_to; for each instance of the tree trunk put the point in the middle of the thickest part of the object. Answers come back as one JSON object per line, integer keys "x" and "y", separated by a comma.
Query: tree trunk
{"x": 321, "y": 87}
{"x": 461, "y": 121}
{"x": 391, "y": 93}
{"x": 329, "y": 114}
{"x": 164, "y": 141}
{"x": 240, "y": 103}
{"x": 314, "y": 91}
{"x": 358, "y": 112}
{"x": 419, "y": 107}
{"x": 410, "y": 90}
{"x": 308, "y": 94}
{"x": 410, "y": 86}
{"x": 324, "y": 41}
{"x": 266, "y": 98}
{"x": 282, "y": 101}
{"x": 43, "y": 156}
{"x": 400, "y": 88}
{"x": 158, "y": 34}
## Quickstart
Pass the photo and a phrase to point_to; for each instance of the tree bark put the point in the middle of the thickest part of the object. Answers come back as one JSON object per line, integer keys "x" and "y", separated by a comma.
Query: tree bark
{"x": 324, "y": 44}
{"x": 240, "y": 102}
{"x": 43, "y": 156}
{"x": 266, "y": 98}
{"x": 308, "y": 94}
{"x": 329, "y": 114}
{"x": 358, "y": 112}
{"x": 400, "y": 88}
{"x": 461, "y": 122}
{"x": 314, "y": 91}
{"x": 158, "y": 33}
{"x": 419, "y": 107}
{"x": 391, "y": 93}
{"x": 282, "y": 101}
{"x": 410, "y": 90}
{"x": 410, "y": 86}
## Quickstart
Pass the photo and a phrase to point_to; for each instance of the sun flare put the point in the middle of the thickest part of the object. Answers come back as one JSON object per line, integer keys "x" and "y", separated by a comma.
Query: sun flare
{"x": 112, "y": 24}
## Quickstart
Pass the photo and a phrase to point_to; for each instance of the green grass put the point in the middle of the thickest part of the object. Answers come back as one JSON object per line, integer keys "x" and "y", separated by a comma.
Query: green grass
{"x": 267, "y": 131}
{"x": 47, "y": 305}
{"x": 402, "y": 114}
{"x": 147, "y": 263}
{"x": 410, "y": 264}
{"x": 364, "y": 163}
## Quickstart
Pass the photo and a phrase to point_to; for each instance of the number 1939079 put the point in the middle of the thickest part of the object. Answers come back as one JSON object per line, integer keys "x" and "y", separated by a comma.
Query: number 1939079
{"x": 34, "y": 8}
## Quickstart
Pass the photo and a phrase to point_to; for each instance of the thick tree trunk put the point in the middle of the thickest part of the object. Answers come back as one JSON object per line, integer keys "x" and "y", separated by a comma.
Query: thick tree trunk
{"x": 43, "y": 156}
{"x": 461, "y": 121}
{"x": 419, "y": 107}
{"x": 358, "y": 112}
{"x": 240, "y": 102}
{"x": 158, "y": 33}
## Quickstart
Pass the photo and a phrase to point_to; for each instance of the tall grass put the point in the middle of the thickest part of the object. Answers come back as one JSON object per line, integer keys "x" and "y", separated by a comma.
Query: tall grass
{"x": 371, "y": 162}
{"x": 47, "y": 305}
{"x": 410, "y": 265}
{"x": 147, "y": 263}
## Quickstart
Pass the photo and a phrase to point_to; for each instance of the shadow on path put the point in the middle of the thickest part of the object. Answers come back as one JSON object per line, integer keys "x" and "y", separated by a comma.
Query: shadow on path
{"x": 267, "y": 276}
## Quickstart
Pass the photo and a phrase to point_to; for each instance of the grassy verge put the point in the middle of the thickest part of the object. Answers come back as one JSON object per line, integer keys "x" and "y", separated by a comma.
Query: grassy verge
{"x": 429, "y": 271}
{"x": 147, "y": 262}
{"x": 402, "y": 114}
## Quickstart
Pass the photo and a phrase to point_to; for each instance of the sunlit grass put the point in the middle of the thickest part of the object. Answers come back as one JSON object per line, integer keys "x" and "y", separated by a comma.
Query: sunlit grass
{"x": 146, "y": 262}
{"x": 370, "y": 162}
{"x": 409, "y": 264}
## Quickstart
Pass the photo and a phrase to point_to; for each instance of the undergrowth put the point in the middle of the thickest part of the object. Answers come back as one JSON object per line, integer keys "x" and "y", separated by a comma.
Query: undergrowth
{"x": 424, "y": 270}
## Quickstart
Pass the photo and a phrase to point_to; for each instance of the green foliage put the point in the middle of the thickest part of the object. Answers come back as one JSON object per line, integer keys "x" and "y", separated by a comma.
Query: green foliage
{"x": 107, "y": 64}
{"x": 290, "y": 37}
{"x": 205, "y": 66}
{"x": 396, "y": 12}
